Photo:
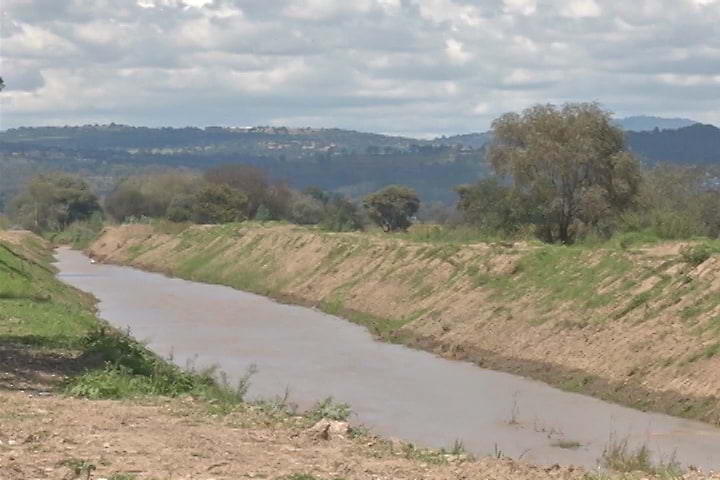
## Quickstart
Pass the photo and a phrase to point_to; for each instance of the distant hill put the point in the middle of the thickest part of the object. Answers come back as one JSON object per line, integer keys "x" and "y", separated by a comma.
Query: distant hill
{"x": 291, "y": 141}
{"x": 642, "y": 123}
{"x": 696, "y": 144}
{"x": 345, "y": 161}
{"x": 471, "y": 140}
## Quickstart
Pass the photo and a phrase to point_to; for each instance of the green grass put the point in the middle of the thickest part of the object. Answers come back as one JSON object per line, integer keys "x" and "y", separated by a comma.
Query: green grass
{"x": 443, "y": 234}
{"x": 42, "y": 317}
{"x": 37, "y": 309}
{"x": 78, "y": 234}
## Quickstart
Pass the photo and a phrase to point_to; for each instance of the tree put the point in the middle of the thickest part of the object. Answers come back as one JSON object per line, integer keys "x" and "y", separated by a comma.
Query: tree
{"x": 306, "y": 209}
{"x": 150, "y": 195}
{"x": 491, "y": 205}
{"x": 219, "y": 204}
{"x": 252, "y": 181}
{"x": 53, "y": 201}
{"x": 341, "y": 215}
{"x": 569, "y": 162}
{"x": 392, "y": 207}
{"x": 677, "y": 201}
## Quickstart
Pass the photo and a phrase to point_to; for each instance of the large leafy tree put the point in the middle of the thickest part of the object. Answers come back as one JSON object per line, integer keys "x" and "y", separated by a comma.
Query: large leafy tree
{"x": 150, "y": 195}
{"x": 569, "y": 162}
{"x": 392, "y": 207}
{"x": 215, "y": 203}
{"x": 250, "y": 180}
{"x": 492, "y": 205}
{"x": 53, "y": 201}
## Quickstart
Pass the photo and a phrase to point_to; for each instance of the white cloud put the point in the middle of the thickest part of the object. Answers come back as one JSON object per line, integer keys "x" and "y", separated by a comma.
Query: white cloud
{"x": 580, "y": 9}
{"x": 396, "y": 66}
{"x": 523, "y": 7}
{"x": 456, "y": 51}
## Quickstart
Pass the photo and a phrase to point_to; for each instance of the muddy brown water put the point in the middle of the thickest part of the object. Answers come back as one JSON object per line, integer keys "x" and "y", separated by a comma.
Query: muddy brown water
{"x": 393, "y": 390}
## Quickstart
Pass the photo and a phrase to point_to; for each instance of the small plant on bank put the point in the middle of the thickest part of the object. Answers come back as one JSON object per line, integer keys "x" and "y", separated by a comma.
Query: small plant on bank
{"x": 78, "y": 468}
{"x": 620, "y": 457}
{"x": 330, "y": 410}
{"x": 696, "y": 254}
{"x": 458, "y": 448}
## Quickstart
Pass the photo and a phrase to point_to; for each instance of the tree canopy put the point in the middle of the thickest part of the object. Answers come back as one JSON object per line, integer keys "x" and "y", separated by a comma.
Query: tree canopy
{"x": 569, "y": 162}
{"x": 217, "y": 203}
{"x": 392, "y": 207}
{"x": 52, "y": 202}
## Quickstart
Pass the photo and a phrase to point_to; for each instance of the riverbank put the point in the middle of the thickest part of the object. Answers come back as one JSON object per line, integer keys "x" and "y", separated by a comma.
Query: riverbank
{"x": 63, "y": 438}
{"x": 167, "y": 423}
{"x": 638, "y": 326}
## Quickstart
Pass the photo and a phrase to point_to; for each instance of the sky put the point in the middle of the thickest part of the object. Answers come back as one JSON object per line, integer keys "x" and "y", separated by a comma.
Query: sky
{"x": 407, "y": 67}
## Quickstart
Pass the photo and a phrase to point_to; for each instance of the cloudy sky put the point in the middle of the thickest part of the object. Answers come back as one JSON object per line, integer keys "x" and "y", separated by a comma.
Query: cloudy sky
{"x": 416, "y": 67}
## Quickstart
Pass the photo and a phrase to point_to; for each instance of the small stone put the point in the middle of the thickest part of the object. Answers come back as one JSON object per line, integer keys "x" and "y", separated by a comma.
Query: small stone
{"x": 326, "y": 429}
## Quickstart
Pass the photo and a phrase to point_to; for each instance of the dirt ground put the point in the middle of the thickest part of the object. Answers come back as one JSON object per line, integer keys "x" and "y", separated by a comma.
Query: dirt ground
{"x": 51, "y": 437}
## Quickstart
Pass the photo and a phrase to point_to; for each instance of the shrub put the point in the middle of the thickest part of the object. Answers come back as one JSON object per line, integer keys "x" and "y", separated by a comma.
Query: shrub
{"x": 696, "y": 254}
{"x": 330, "y": 410}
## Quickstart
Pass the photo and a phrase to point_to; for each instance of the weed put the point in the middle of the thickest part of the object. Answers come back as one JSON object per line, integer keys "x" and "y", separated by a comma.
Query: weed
{"x": 514, "y": 411}
{"x": 712, "y": 351}
{"x": 497, "y": 453}
{"x": 78, "y": 468}
{"x": 619, "y": 456}
{"x": 696, "y": 254}
{"x": 458, "y": 447}
{"x": 329, "y": 409}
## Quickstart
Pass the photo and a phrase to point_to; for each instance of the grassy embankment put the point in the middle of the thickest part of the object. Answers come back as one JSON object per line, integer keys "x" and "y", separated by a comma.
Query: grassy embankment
{"x": 51, "y": 338}
{"x": 633, "y": 323}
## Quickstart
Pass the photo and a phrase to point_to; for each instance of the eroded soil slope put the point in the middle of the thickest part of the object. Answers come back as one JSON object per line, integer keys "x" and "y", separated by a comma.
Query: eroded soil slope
{"x": 638, "y": 326}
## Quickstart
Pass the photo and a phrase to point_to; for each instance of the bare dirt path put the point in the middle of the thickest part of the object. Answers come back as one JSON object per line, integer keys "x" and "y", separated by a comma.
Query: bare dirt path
{"x": 50, "y": 437}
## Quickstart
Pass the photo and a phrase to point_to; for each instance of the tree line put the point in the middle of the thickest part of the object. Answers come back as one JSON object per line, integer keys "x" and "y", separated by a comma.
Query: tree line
{"x": 561, "y": 173}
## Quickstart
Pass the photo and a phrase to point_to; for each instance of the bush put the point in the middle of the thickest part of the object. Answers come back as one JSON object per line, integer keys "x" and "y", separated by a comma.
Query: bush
{"x": 696, "y": 254}
{"x": 218, "y": 203}
{"x": 130, "y": 370}
{"x": 306, "y": 210}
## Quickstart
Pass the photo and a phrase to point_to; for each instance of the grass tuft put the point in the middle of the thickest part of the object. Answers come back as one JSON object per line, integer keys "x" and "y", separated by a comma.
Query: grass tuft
{"x": 620, "y": 457}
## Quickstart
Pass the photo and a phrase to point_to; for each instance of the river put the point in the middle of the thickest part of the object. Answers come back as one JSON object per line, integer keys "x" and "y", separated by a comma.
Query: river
{"x": 393, "y": 390}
